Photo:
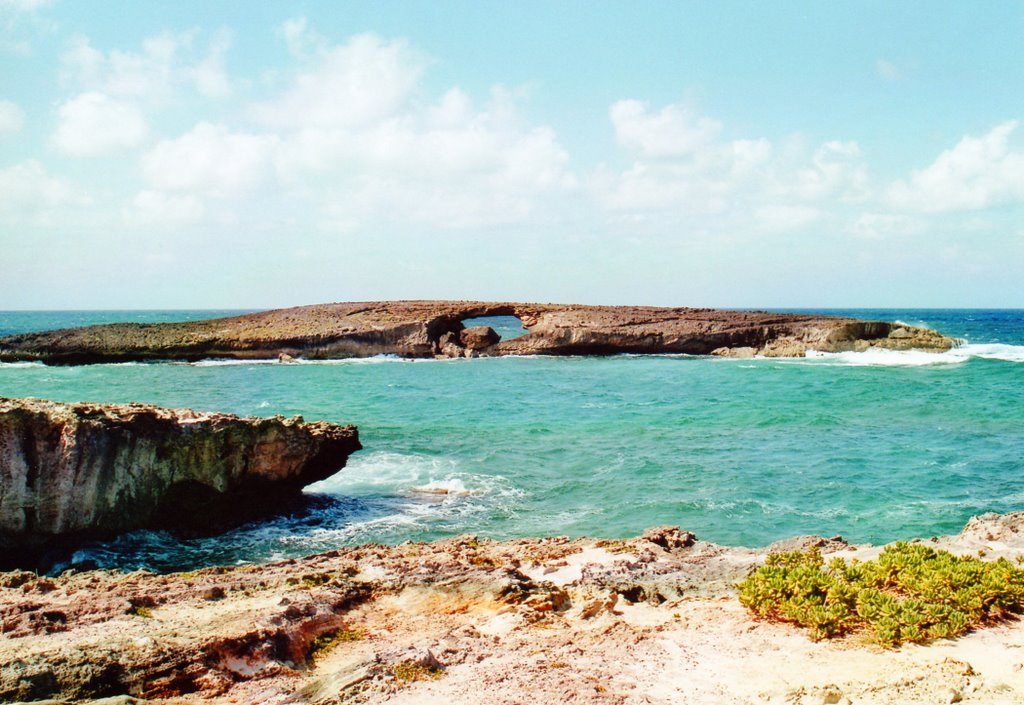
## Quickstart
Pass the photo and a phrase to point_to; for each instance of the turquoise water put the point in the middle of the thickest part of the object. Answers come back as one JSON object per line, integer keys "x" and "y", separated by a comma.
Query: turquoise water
{"x": 872, "y": 446}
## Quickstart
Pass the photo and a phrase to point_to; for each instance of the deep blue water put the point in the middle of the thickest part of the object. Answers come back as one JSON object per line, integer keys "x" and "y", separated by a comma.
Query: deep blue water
{"x": 874, "y": 446}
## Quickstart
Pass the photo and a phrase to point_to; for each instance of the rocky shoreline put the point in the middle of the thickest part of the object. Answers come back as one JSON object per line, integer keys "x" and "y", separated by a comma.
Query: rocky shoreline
{"x": 469, "y": 620}
{"x": 75, "y": 471}
{"x": 425, "y": 329}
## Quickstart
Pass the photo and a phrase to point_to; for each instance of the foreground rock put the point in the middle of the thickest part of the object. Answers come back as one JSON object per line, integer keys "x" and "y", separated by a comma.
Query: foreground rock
{"x": 419, "y": 329}
{"x": 471, "y": 621}
{"x": 70, "y": 471}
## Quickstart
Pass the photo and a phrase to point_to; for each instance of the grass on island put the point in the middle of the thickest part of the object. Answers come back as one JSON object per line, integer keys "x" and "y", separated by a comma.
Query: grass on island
{"x": 910, "y": 593}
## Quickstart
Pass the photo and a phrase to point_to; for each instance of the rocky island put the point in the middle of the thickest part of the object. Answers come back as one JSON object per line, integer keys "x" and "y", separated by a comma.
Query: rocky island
{"x": 73, "y": 471}
{"x": 423, "y": 329}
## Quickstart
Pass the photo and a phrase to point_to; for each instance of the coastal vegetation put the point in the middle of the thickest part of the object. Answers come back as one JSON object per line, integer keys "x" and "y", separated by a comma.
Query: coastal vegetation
{"x": 910, "y": 593}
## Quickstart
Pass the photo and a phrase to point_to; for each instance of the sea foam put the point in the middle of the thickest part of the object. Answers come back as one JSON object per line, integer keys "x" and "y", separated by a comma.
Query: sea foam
{"x": 878, "y": 357}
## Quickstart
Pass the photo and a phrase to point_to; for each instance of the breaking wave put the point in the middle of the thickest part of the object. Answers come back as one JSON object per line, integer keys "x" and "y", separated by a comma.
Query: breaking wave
{"x": 877, "y": 357}
{"x": 378, "y": 497}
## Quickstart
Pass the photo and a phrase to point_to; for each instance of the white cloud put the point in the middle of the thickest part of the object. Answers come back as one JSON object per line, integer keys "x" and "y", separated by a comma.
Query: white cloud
{"x": 682, "y": 167}
{"x": 680, "y": 164}
{"x": 301, "y": 40}
{"x": 880, "y": 226}
{"x": 12, "y": 119}
{"x": 210, "y": 73}
{"x": 22, "y": 23}
{"x": 673, "y": 131}
{"x": 447, "y": 165}
{"x": 364, "y": 80}
{"x": 836, "y": 169}
{"x": 356, "y": 143}
{"x": 345, "y": 145}
{"x": 977, "y": 173}
{"x": 24, "y": 5}
{"x": 780, "y": 218}
{"x": 166, "y": 62}
{"x": 28, "y": 193}
{"x": 211, "y": 159}
{"x": 93, "y": 124}
{"x": 157, "y": 208}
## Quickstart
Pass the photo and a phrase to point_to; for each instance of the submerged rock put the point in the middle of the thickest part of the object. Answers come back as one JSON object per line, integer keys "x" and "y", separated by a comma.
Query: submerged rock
{"x": 94, "y": 470}
{"x": 423, "y": 329}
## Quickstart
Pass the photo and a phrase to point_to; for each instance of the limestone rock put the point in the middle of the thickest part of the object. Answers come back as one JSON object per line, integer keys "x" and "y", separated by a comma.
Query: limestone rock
{"x": 478, "y": 337}
{"x": 740, "y": 352}
{"x": 92, "y": 470}
{"x": 669, "y": 537}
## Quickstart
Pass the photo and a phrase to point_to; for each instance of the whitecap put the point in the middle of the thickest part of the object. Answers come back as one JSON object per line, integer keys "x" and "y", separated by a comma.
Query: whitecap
{"x": 409, "y": 475}
{"x": 995, "y": 351}
{"x": 452, "y": 486}
{"x": 915, "y": 324}
{"x": 880, "y": 357}
{"x": 232, "y": 363}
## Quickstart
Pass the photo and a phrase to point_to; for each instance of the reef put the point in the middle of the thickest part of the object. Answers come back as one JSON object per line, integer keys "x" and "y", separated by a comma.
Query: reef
{"x": 75, "y": 471}
{"x": 425, "y": 329}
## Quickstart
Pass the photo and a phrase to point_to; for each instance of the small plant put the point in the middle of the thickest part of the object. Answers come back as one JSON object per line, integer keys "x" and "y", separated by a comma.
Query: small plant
{"x": 483, "y": 561}
{"x": 313, "y": 580}
{"x": 910, "y": 593}
{"x": 141, "y": 611}
{"x": 409, "y": 672}
{"x": 615, "y": 546}
{"x": 323, "y": 644}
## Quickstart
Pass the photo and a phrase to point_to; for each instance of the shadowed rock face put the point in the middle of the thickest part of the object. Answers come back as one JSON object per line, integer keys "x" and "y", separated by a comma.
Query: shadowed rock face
{"x": 89, "y": 470}
{"x": 419, "y": 329}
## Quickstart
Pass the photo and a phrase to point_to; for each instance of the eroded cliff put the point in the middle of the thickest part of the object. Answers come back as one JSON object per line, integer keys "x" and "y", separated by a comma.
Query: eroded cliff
{"x": 91, "y": 470}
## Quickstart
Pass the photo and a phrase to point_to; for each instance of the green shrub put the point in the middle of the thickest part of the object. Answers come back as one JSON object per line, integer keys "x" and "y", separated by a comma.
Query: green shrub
{"x": 910, "y": 593}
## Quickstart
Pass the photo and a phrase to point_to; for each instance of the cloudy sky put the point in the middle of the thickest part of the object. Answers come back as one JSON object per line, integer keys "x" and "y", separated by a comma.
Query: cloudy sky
{"x": 240, "y": 154}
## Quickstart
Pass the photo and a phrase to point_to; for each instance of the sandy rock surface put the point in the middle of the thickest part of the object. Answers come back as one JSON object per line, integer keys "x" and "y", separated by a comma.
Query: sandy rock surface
{"x": 647, "y": 620}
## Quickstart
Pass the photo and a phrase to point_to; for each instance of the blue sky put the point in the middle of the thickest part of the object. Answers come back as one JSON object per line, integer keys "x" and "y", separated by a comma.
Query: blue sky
{"x": 229, "y": 154}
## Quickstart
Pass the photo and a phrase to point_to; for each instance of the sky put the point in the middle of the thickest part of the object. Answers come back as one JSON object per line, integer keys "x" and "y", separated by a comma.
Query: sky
{"x": 726, "y": 154}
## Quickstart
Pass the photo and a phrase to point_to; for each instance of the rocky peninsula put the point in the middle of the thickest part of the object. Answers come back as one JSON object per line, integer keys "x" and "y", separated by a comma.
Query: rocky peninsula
{"x": 424, "y": 329}
{"x": 73, "y": 471}
{"x": 473, "y": 621}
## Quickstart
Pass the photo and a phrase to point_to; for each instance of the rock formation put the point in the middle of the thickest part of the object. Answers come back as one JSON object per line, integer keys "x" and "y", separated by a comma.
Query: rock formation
{"x": 419, "y": 329}
{"x": 71, "y": 471}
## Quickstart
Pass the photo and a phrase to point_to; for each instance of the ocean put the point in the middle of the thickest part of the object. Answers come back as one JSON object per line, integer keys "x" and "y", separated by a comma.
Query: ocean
{"x": 872, "y": 446}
